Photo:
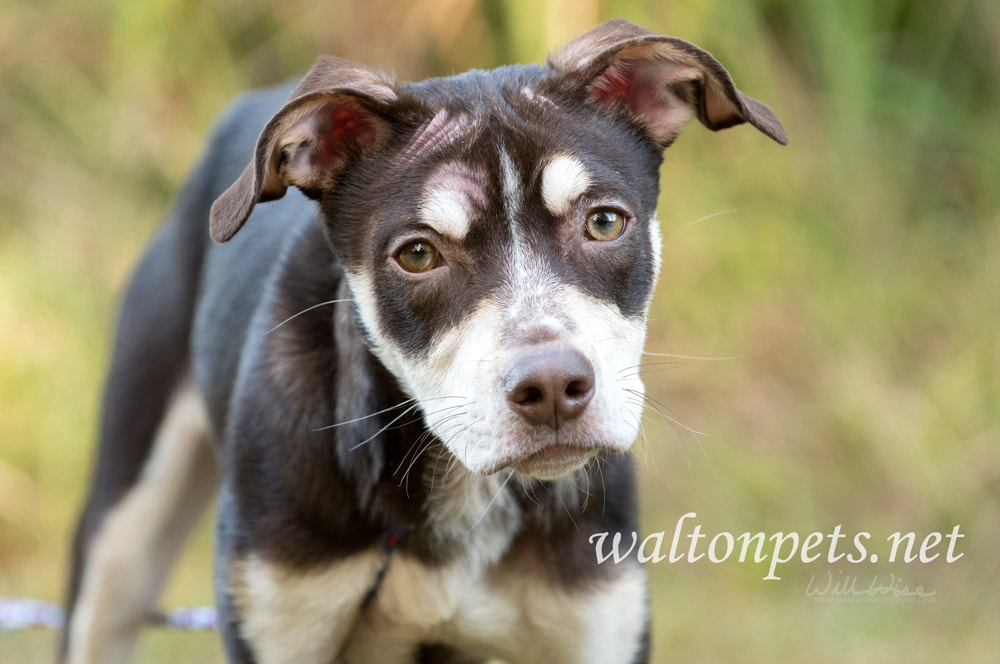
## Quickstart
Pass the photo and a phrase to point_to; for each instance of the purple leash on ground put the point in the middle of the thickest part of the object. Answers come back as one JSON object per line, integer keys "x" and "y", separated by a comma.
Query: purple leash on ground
{"x": 20, "y": 613}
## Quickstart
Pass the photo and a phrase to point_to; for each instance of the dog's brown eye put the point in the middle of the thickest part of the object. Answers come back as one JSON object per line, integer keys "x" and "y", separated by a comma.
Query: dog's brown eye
{"x": 604, "y": 225}
{"x": 417, "y": 257}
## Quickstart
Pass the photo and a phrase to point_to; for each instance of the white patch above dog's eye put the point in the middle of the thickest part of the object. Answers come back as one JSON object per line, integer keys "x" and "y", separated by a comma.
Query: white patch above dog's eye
{"x": 564, "y": 180}
{"x": 452, "y": 195}
{"x": 604, "y": 224}
{"x": 418, "y": 256}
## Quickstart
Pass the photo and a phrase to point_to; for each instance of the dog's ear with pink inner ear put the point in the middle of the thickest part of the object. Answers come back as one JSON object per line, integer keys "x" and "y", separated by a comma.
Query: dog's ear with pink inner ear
{"x": 655, "y": 82}
{"x": 335, "y": 115}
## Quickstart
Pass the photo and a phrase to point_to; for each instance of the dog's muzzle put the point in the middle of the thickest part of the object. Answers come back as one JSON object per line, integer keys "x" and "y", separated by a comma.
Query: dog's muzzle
{"x": 549, "y": 386}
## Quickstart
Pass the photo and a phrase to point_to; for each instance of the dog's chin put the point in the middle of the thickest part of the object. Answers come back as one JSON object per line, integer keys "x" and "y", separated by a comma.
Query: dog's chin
{"x": 539, "y": 454}
{"x": 553, "y": 462}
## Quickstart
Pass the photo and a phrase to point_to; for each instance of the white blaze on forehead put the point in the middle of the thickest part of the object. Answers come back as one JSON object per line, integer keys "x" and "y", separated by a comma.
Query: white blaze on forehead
{"x": 512, "y": 200}
{"x": 564, "y": 180}
{"x": 512, "y": 193}
{"x": 452, "y": 197}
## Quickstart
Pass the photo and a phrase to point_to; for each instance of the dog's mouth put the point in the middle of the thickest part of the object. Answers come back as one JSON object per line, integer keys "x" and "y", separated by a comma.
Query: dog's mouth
{"x": 553, "y": 461}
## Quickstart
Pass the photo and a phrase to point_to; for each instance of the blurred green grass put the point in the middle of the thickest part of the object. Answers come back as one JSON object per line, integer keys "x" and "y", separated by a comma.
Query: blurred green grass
{"x": 855, "y": 274}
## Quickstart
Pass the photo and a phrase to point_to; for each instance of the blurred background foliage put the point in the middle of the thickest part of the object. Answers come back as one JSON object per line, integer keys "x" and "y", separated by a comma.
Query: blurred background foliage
{"x": 853, "y": 278}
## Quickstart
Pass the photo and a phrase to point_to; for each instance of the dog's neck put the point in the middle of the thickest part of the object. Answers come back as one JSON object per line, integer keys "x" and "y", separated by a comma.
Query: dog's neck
{"x": 404, "y": 473}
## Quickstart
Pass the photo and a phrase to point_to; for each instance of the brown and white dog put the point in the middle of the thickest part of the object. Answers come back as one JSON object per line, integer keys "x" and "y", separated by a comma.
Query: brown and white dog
{"x": 412, "y": 382}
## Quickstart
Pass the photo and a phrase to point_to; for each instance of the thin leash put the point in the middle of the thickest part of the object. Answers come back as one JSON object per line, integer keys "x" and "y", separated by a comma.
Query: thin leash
{"x": 388, "y": 547}
{"x": 18, "y": 613}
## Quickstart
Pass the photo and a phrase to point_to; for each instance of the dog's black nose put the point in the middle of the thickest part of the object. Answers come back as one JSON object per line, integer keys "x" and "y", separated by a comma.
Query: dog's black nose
{"x": 549, "y": 385}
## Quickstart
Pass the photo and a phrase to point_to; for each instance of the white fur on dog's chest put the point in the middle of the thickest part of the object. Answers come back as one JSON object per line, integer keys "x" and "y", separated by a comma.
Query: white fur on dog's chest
{"x": 505, "y": 612}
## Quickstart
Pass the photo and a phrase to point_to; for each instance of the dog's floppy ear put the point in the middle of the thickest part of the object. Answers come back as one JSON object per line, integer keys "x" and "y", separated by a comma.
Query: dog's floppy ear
{"x": 335, "y": 115}
{"x": 657, "y": 82}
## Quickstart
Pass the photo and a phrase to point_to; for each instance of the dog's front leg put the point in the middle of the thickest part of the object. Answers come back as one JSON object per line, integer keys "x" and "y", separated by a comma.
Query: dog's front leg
{"x": 275, "y": 613}
{"x": 615, "y": 624}
{"x": 606, "y": 622}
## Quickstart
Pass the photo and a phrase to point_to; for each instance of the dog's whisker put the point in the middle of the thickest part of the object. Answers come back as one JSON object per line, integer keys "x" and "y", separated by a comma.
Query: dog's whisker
{"x": 579, "y": 474}
{"x": 383, "y": 429}
{"x": 305, "y": 311}
{"x": 641, "y": 438}
{"x": 423, "y": 417}
{"x": 428, "y": 442}
{"x": 428, "y": 438}
{"x": 641, "y": 432}
{"x": 432, "y": 413}
{"x": 694, "y": 357}
{"x": 658, "y": 405}
{"x": 417, "y": 443}
{"x": 525, "y": 490}
{"x": 365, "y": 417}
{"x": 643, "y": 365}
{"x": 437, "y": 460}
{"x": 528, "y": 484}
{"x": 493, "y": 500}
{"x": 603, "y": 339}
{"x": 674, "y": 424}
{"x": 534, "y": 496}
{"x": 403, "y": 425}
{"x": 455, "y": 463}
{"x": 406, "y": 475}
{"x": 389, "y": 409}
{"x": 650, "y": 371}
{"x": 649, "y": 453}
{"x": 442, "y": 424}
{"x": 568, "y": 513}
{"x": 673, "y": 430}
{"x": 709, "y": 216}
{"x": 604, "y": 486}
{"x": 452, "y": 464}
{"x": 445, "y": 431}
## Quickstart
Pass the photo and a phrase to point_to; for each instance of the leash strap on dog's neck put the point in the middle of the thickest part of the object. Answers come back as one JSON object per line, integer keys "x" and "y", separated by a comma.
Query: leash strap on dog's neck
{"x": 388, "y": 546}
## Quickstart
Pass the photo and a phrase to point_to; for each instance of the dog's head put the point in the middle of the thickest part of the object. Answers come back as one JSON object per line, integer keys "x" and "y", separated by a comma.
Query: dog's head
{"x": 498, "y": 229}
